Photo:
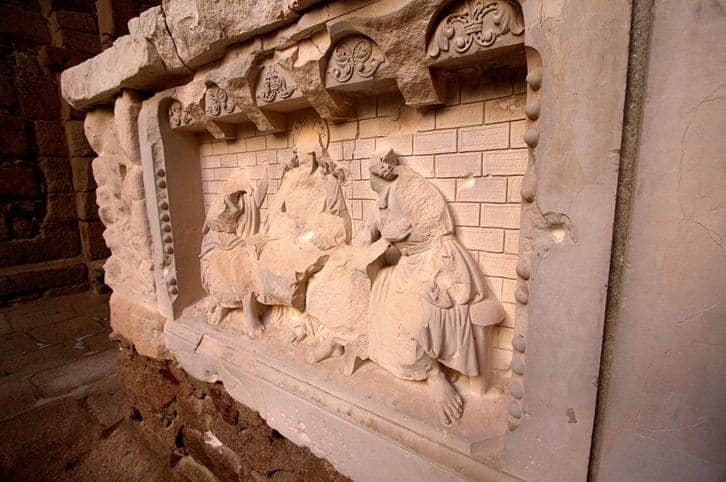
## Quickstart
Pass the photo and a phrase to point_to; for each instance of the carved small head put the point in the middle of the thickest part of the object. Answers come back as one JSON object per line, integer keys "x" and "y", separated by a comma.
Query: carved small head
{"x": 383, "y": 164}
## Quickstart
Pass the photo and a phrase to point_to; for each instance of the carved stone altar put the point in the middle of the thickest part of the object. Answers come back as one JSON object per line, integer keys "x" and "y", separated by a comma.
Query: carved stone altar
{"x": 344, "y": 213}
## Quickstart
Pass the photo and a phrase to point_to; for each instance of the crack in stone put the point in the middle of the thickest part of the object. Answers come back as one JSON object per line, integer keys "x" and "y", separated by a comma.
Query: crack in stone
{"x": 173, "y": 42}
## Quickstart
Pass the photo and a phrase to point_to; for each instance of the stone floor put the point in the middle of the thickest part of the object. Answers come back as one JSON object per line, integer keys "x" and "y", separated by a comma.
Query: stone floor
{"x": 64, "y": 414}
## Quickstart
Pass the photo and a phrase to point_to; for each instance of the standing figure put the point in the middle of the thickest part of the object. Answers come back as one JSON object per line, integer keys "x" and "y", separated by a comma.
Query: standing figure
{"x": 226, "y": 258}
{"x": 418, "y": 312}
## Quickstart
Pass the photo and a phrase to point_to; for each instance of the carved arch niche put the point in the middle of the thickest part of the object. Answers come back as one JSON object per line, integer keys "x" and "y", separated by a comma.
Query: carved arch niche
{"x": 357, "y": 65}
{"x": 465, "y": 33}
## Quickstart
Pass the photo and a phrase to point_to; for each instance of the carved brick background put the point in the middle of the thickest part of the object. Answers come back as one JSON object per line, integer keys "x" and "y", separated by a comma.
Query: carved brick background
{"x": 472, "y": 149}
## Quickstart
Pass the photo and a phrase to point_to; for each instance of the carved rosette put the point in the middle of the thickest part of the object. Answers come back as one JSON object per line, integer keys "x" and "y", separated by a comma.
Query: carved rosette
{"x": 178, "y": 116}
{"x": 354, "y": 59}
{"x": 476, "y": 28}
{"x": 274, "y": 86}
{"x": 310, "y": 127}
{"x": 217, "y": 102}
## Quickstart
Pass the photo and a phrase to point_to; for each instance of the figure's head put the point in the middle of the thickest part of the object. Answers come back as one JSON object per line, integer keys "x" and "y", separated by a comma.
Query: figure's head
{"x": 383, "y": 164}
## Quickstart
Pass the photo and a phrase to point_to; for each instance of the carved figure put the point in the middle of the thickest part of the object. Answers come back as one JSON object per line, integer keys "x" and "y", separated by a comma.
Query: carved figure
{"x": 418, "y": 313}
{"x": 226, "y": 257}
{"x": 307, "y": 219}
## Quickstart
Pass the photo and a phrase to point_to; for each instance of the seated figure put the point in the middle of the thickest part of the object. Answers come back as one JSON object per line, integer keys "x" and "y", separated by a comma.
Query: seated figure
{"x": 226, "y": 259}
{"x": 243, "y": 265}
{"x": 419, "y": 308}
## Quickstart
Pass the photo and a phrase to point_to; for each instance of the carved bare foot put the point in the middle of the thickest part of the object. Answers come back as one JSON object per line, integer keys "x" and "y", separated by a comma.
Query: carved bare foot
{"x": 298, "y": 334}
{"x": 449, "y": 403}
{"x": 251, "y": 323}
{"x": 218, "y": 315}
{"x": 323, "y": 350}
{"x": 252, "y": 326}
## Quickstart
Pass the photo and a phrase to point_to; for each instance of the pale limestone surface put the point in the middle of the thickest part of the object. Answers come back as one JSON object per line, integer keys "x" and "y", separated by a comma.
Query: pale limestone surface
{"x": 482, "y": 152}
{"x": 673, "y": 416}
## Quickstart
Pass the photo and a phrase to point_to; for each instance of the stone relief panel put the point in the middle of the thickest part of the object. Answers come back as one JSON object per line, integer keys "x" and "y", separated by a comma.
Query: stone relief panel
{"x": 474, "y": 26}
{"x": 279, "y": 262}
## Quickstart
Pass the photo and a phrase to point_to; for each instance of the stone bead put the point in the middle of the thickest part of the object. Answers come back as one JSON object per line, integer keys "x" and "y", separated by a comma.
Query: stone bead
{"x": 532, "y": 111}
{"x": 519, "y": 344}
{"x": 167, "y": 238}
{"x": 164, "y": 217}
{"x": 518, "y": 365}
{"x": 173, "y": 290}
{"x": 164, "y": 205}
{"x": 514, "y": 409}
{"x": 162, "y": 183}
{"x": 534, "y": 79}
{"x": 515, "y": 388}
{"x": 531, "y": 138}
{"x": 521, "y": 294}
{"x": 524, "y": 269}
{"x": 160, "y": 173}
{"x": 529, "y": 185}
{"x": 169, "y": 249}
{"x": 166, "y": 228}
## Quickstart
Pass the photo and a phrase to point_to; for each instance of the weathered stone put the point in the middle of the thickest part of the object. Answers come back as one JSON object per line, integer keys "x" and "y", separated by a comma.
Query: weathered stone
{"x": 130, "y": 62}
{"x": 50, "y": 138}
{"x": 16, "y": 396}
{"x": 19, "y": 180}
{"x": 92, "y": 240}
{"x": 24, "y": 24}
{"x": 36, "y": 279}
{"x": 14, "y": 136}
{"x": 87, "y": 370}
{"x": 76, "y": 139}
{"x": 14, "y": 344}
{"x": 72, "y": 329}
{"x": 87, "y": 210}
{"x": 82, "y": 174}
{"x": 39, "y": 99}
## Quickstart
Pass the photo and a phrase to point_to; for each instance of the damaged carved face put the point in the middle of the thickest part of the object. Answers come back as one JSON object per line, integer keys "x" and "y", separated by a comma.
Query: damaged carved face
{"x": 383, "y": 170}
